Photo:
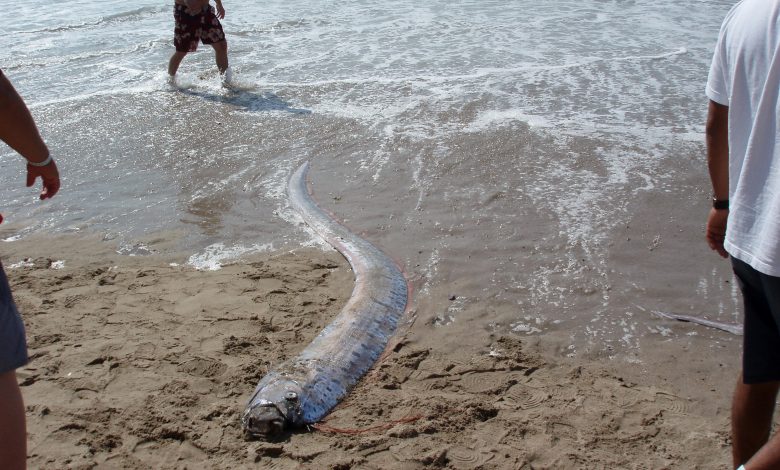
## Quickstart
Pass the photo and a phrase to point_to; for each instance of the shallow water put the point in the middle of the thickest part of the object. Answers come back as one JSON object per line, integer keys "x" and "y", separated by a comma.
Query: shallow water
{"x": 535, "y": 168}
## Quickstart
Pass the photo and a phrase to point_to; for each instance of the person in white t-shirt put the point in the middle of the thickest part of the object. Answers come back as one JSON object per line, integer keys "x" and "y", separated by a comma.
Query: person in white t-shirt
{"x": 743, "y": 153}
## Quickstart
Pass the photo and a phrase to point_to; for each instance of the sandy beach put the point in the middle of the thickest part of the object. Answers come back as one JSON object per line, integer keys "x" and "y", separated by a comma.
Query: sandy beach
{"x": 141, "y": 362}
{"x": 543, "y": 188}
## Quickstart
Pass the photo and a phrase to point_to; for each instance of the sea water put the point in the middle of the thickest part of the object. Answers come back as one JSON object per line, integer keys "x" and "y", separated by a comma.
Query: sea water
{"x": 535, "y": 167}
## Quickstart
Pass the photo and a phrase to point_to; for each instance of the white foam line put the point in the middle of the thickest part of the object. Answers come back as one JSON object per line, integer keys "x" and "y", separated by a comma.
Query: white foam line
{"x": 297, "y": 62}
{"x": 86, "y": 96}
{"x": 430, "y": 271}
{"x": 215, "y": 187}
{"x": 417, "y": 181}
{"x": 215, "y": 255}
{"x": 98, "y": 22}
{"x": 81, "y": 57}
{"x": 481, "y": 74}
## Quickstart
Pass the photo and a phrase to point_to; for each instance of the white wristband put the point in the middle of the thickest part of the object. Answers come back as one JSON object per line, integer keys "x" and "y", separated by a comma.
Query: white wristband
{"x": 43, "y": 163}
{"x": 741, "y": 467}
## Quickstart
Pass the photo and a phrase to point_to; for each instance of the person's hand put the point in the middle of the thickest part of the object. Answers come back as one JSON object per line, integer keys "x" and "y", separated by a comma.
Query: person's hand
{"x": 220, "y": 11}
{"x": 716, "y": 231}
{"x": 49, "y": 175}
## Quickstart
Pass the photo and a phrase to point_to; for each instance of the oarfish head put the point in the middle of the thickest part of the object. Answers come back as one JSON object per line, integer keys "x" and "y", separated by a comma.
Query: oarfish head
{"x": 274, "y": 409}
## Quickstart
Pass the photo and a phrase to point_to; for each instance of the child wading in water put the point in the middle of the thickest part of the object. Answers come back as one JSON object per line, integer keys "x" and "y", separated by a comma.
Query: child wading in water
{"x": 197, "y": 20}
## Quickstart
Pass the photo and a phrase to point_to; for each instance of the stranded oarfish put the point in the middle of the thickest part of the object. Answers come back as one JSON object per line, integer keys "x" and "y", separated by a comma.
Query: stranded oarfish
{"x": 304, "y": 389}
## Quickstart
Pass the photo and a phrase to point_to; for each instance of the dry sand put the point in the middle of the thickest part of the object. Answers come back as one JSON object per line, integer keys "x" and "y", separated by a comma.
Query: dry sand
{"x": 137, "y": 363}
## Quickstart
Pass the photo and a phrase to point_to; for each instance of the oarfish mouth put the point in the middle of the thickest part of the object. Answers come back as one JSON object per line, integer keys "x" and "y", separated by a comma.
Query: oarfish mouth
{"x": 264, "y": 421}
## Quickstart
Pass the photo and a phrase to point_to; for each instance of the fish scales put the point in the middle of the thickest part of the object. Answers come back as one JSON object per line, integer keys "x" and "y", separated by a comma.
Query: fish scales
{"x": 304, "y": 389}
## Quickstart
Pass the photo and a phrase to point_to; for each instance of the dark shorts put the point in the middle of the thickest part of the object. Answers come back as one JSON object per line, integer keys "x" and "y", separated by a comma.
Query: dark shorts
{"x": 761, "y": 348}
{"x": 13, "y": 346}
{"x": 190, "y": 29}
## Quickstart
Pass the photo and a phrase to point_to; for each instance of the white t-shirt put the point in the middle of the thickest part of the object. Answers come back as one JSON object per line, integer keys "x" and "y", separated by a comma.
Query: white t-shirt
{"x": 745, "y": 76}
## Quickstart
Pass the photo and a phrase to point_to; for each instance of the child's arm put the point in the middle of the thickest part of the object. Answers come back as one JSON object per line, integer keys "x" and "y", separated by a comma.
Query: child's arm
{"x": 220, "y": 9}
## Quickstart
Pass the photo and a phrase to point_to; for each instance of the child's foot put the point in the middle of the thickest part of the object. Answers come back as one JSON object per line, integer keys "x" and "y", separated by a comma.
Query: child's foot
{"x": 227, "y": 77}
{"x": 171, "y": 80}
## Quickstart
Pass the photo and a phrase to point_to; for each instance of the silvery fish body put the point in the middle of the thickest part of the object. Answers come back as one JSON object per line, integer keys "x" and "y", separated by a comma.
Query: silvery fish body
{"x": 304, "y": 389}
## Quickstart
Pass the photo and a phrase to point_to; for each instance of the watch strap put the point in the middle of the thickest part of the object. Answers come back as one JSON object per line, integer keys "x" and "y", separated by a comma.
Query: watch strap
{"x": 720, "y": 204}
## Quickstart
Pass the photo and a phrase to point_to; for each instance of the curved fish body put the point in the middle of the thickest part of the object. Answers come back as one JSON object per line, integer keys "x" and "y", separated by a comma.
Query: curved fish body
{"x": 304, "y": 389}
{"x": 732, "y": 328}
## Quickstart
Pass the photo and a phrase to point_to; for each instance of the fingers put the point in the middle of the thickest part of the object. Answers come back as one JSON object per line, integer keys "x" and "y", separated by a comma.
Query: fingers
{"x": 715, "y": 231}
{"x": 716, "y": 244}
{"x": 50, "y": 187}
{"x": 719, "y": 249}
{"x": 49, "y": 176}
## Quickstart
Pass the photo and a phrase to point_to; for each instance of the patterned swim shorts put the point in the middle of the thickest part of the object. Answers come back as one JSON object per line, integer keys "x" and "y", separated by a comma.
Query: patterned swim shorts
{"x": 191, "y": 28}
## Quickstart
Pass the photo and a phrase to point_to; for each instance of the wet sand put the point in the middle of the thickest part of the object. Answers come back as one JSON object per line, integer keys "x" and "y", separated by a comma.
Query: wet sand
{"x": 138, "y": 363}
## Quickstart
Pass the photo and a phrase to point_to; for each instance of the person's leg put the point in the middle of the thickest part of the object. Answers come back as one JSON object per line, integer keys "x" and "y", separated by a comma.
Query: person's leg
{"x": 757, "y": 388}
{"x": 221, "y": 55}
{"x": 751, "y": 418}
{"x": 13, "y": 432}
{"x": 173, "y": 64}
{"x": 213, "y": 35}
{"x": 13, "y": 354}
{"x": 186, "y": 32}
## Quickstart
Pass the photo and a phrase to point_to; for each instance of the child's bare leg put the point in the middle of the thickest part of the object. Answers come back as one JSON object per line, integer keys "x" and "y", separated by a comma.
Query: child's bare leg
{"x": 173, "y": 64}
{"x": 220, "y": 52}
{"x": 13, "y": 435}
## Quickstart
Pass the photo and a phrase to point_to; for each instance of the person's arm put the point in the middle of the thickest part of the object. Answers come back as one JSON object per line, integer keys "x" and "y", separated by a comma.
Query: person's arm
{"x": 718, "y": 165}
{"x": 220, "y": 9}
{"x": 18, "y": 130}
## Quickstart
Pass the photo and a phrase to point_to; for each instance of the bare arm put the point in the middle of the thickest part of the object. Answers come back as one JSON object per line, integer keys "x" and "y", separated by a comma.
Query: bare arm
{"x": 718, "y": 165}
{"x": 18, "y": 130}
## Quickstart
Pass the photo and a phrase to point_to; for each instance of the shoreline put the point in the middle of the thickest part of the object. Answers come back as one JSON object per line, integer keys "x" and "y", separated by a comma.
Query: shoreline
{"x": 137, "y": 363}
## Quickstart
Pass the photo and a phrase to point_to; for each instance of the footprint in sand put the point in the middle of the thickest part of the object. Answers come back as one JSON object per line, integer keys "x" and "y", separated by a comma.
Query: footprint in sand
{"x": 672, "y": 403}
{"x": 526, "y": 397}
{"x": 203, "y": 367}
{"x": 483, "y": 382}
{"x": 464, "y": 458}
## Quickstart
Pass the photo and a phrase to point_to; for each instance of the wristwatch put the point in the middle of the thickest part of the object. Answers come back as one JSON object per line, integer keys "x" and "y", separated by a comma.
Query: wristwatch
{"x": 720, "y": 204}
